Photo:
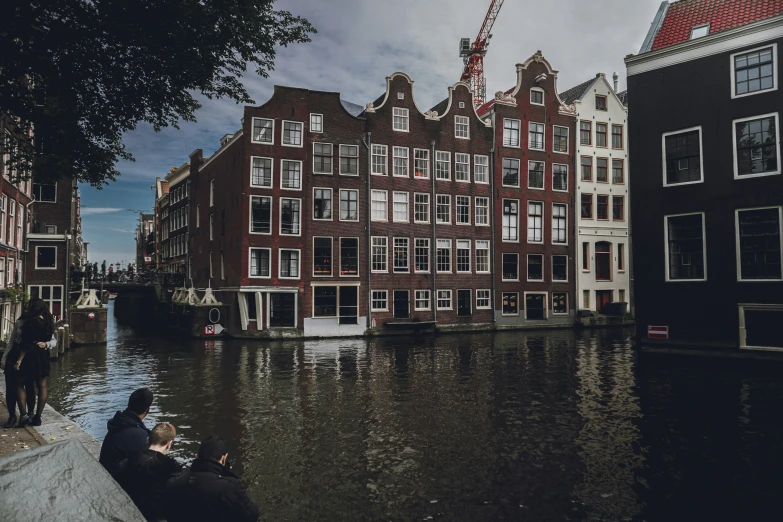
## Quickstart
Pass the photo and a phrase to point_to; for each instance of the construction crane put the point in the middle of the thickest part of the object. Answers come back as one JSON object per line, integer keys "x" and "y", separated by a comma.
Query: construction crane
{"x": 473, "y": 55}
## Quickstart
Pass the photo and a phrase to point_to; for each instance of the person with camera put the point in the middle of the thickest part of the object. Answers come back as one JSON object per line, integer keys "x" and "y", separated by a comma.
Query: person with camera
{"x": 209, "y": 491}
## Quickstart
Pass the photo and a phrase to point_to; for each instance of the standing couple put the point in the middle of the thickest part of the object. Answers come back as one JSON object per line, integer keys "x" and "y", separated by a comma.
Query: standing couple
{"x": 26, "y": 364}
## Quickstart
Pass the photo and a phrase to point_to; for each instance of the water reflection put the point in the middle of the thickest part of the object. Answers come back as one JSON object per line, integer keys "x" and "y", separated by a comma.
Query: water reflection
{"x": 513, "y": 426}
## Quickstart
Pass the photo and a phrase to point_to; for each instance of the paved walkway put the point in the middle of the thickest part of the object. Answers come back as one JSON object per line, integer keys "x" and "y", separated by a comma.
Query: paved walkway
{"x": 14, "y": 440}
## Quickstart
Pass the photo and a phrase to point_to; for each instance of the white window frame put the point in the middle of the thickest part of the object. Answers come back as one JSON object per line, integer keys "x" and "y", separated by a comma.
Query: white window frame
{"x": 358, "y": 256}
{"x": 385, "y": 194}
{"x": 743, "y": 333}
{"x": 519, "y": 308}
{"x": 272, "y": 131}
{"x": 448, "y": 163}
{"x": 451, "y": 255}
{"x": 527, "y": 268}
{"x": 429, "y": 207}
{"x": 358, "y": 208}
{"x": 56, "y": 253}
{"x": 373, "y": 308}
{"x": 271, "y": 215}
{"x": 319, "y": 172}
{"x": 456, "y": 210}
{"x": 774, "y": 71}
{"x": 416, "y": 299}
{"x": 271, "y": 172}
{"x": 519, "y": 133}
{"x": 568, "y": 303}
{"x": 282, "y": 135}
{"x": 484, "y": 166}
{"x": 552, "y": 268}
{"x": 488, "y": 299}
{"x": 543, "y": 175}
{"x": 529, "y": 132}
{"x": 734, "y": 145}
{"x": 461, "y": 122}
{"x": 666, "y": 246}
{"x": 341, "y": 155}
{"x": 483, "y": 245}
{"x": 331, "y": 206}
{"x": 429, "y": 255}
{"x": 437, "y": 220}
{"x": 568, "y": 139}
{"x": 212, "y": 192}
{"x": 386, "y": 255}
{"x": 456, "y": 256}
{"x": 427, "y": 160}
{"x": 280, "y": 262}
{"x": 400, "y": 112}
{"x": 663, "y": 156}
{"x": 568, "y": 173}
{"x": 543, "y": 96}
{"x": 385, "y": 155}
{"x": 543, "y": 223}
{"x": 396, "y": 157}
{"x": 502, "y": 217}
{"x": 283, "y": 161}
{"x": 331, "y": 261}
{"x": 502, "y": 262}
{"x": 320, "y": 122}
{"x": 563, "y": 243}
{"x": 737, "y": 243}
{"x": 476, "y": 213}
{"x": 437, "y": 300}
{"x": 280, "y": 218}
{"x": 407, "y": 206}
{"x": 407, "y": 247}
{"x": 457, "y": 157}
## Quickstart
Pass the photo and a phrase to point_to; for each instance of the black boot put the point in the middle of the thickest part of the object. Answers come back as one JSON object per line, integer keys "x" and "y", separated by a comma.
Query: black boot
{"x": 36, "y": 421}
{"x": 11, "y": 422}
{"x": 24, "y": 420}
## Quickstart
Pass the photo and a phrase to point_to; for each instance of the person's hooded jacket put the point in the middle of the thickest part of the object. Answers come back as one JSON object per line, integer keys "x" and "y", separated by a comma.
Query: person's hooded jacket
{"x": 127, "y": 434}
{"x": 143, "y": 476}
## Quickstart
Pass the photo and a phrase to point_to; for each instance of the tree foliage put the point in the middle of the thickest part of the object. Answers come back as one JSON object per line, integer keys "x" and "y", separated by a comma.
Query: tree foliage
{"x": 76, "y": 74}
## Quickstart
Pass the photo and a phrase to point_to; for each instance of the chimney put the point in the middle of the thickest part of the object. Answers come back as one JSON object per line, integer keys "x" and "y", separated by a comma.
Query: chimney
{"x": 614, "y": 77}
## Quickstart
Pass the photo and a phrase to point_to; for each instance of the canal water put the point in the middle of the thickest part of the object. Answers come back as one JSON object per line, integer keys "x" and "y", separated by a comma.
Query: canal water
{"x": 541, "y": 426}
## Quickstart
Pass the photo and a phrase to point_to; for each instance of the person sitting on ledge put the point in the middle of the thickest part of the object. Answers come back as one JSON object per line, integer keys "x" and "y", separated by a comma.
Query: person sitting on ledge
{"x": 127, "y": 432}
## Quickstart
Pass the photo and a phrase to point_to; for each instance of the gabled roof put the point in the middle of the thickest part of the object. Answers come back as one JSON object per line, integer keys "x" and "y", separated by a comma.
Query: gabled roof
{"x": 673, "y": 22}
{"x": 441, "y": 107}
{"x": 354, "y": 109}
{"x": 575, "y": 93}
{"x": 623, "y": 95}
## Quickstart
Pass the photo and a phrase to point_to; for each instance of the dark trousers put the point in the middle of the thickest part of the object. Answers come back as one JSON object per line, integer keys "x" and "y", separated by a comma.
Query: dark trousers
{"x": 10, "y": 394}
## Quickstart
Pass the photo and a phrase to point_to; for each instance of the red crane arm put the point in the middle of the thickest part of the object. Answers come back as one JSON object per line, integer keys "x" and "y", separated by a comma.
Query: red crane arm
{"x": 474, "y": 64}
{"x": 489, "y": 21}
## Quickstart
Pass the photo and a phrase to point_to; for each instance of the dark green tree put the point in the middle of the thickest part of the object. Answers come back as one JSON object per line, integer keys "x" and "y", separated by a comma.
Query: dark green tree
{"x": 76, "y": 74}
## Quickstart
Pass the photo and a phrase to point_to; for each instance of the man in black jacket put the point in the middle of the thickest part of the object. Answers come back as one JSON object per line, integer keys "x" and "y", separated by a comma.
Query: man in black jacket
{"x": 209, "y": 491}
{"x": 143, "y": 475}
{"x": 127, "y": 433}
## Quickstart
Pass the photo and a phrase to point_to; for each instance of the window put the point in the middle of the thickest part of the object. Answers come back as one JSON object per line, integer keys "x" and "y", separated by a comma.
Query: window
{"x": 464, "y": 303}
{"x": 482, "y": 256}
{"x": 617, "y": 172}
{"x": 444, "y": 299}
{"x": 379, "y": 254}
{"x": 442, "y": 165}
{"x": 587, "y": 206}
{"x": 586, "y": 299}
{"x": 379, "y": 205}
{"x": 559, "y": 268}
{"x": 756, "y": 146}
{"x": 316, "y": 123}
{"x": 46, "y": 257}
{"x": 349, "y": 160}
{"x": 537, "y": 96}
{"x": 535, "y": 267}
{"x": 585, "y": 132}
{"x": 401, "y": 207}
{"x": 759, "y": 247}
{"x": 482, "y": 211}
{"x": 510, "y": 220}
{"x": 289, "y": 263}
{"x": 463, "y": 210}
{"x": 349, "y": 205}
{"x": 559, "y": 302}
{"x": 560, "y": 139}
{"x": 322, "y": 256}
{"x": 602, "y": 202}
{"x": 349, "y": 256}
{"x": 535, "y": 221}
{"x": 261, "y": 172}
{"x": 422, "y": 300}
{"x": 618, "y": 208}
{"x": 325, "y": 301}
{"x": 602, "y": 170}
{"x": 421, "y": 208}
{"x": 211, "y": 226}
{"x": 482, "y": 300}
{"x": 617, "y": 136}
{"x": 263, "y": 130}
{"x": 2, "y": 272}
{"x": 260, "y": 215}
{"x": 682, "y": 154}
{"x": 559, "y": 223}
{"x": 198, "y": 216}
{"x": 461, "y": 167}
{"x": 400, "y": 254}
{"x": 292, "y": 133}
{"x": 443, "y": 208}
{"x": 380, "y": 301}
{"x": 45, "y": 192}
{"x": 536, "y": 135}
{"x": 49, "y": 229}
{"x": 560, "y": 177}
{"x": 621, "y": 259}
{"x": 322, "y": 158}
{"x": 600, "y": 134}
{"x": 603, "y": 261}
{"x": 510, "y": 267}
{"x": 11, "y": 220}
{"x": 535, "y": 174}
{"x": 422, "y": 255}
{"x": 754, "y": 71}
{"x": 510, "y": 303}
{"x": 400, "y": 119}
{"x": 463, "y": 256}
{"x": 443, "y": 255}
{"x": 461, "y": 127}
{"x": 587, "y": 168}
{"x": 699, "y": 31}
{"x": 290, "y": 217}
{"x": 600, "y": 102}
{"x": 379, "y": 163}
{"x": 510, "y": 172}
{"x": 685, "y": 246}
{"x": 421, "y": 163}
{"x": 51, "y": 295}
{"x": 291, "y": 175}
{"x": 400, "y": 161}
{"x": 481, "y": 169}
{"x": 322, "y": 203}
{"x": 511, "y": 132}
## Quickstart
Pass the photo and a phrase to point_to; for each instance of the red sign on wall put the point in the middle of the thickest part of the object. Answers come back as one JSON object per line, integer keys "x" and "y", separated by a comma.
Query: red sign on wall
{"x": 657, "y": 332}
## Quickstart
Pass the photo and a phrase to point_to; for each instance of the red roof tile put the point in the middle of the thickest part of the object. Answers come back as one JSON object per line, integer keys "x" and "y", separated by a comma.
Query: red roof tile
{"x": 722, "y": 15}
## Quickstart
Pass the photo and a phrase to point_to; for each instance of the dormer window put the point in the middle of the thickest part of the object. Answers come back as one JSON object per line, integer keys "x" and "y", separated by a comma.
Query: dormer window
{"x": 699, "y": 31}
{"x": 536, "y": 96}
{"x": 400, "y": 121}
{"x": 400, "y": 95}
{"x": 600, "y": 102}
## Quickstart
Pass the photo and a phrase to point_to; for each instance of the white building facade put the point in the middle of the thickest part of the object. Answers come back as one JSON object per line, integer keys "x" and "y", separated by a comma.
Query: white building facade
{"x": 602, "y": 196}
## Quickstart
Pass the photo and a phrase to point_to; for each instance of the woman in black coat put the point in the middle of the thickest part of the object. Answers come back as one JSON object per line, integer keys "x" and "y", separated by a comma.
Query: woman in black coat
{"x": 33, "y": 360}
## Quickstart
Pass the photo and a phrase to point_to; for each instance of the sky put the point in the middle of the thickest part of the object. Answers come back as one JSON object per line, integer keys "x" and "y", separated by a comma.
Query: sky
{"x": 359, "y": 43}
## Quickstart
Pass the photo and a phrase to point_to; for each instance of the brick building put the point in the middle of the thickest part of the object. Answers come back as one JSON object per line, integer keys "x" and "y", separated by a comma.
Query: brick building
{"x": 145, "y": 241}
{"x": 534, "y": 194}
{"x": 174, "y": 245}
{"x": 161, "y": 210}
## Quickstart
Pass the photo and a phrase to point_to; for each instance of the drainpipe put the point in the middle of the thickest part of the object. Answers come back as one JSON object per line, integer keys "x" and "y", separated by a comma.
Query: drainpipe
{"x": 433, "y": 241}
{"x": 368, "y": 145}
{"x": 492, "y": 246}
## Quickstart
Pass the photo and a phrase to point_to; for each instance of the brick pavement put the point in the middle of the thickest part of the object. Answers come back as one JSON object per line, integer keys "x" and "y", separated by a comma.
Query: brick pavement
{"x": 14, "y": 440}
